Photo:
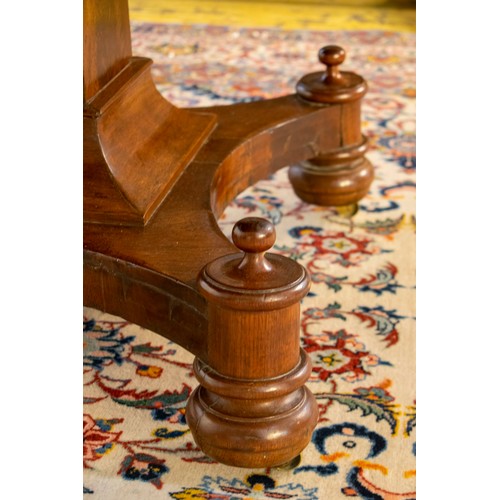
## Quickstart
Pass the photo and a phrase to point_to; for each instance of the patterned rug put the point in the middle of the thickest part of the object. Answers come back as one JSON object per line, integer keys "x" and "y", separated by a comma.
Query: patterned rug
{"x": 358, "y": 321}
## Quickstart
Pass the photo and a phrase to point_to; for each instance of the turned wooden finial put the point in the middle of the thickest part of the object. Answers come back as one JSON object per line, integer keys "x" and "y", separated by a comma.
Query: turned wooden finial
{"x": 332, "y": 56}
{"x": 254, "y": 236}
{"x": 228, "y": 278}
{"x": 332, "y": 86}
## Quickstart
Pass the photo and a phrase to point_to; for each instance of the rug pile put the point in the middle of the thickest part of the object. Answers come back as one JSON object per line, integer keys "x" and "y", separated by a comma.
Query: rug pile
{"x": 358, "y": 321}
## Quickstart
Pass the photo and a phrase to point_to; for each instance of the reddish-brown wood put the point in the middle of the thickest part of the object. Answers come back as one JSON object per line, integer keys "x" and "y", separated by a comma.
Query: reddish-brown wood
{"x": 136, "y": 144}
{"x": 148, "y": 274}
{"x": 341, "y": 176}
{"x": 106, "y": 43}
{"x": 252, "y": 384}
{"x": 156, "y": 178}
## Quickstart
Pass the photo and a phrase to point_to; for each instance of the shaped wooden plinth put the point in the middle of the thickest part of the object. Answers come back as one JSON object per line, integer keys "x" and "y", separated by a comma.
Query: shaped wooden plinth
{"x": 136, "y": 144}
{"x": 252, "y": 408}
{"x": 343, "y": 175}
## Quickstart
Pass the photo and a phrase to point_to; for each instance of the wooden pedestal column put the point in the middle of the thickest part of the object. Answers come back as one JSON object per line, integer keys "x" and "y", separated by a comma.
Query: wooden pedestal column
{"x": 252, "y": 408}
{"x": 343, "y": 175}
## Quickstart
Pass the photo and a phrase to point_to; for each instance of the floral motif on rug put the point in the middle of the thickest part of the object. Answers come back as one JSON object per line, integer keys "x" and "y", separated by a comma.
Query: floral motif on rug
{"x": 357, "y": 322}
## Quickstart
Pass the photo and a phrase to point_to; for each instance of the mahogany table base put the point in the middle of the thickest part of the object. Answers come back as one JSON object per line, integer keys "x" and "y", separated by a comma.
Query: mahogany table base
{"x": 156, "y": 178}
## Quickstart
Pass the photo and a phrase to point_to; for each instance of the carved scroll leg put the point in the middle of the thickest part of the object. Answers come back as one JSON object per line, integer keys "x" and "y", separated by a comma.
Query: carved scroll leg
{"x": 252, "y": 408}
{"x": 342, "y": 176}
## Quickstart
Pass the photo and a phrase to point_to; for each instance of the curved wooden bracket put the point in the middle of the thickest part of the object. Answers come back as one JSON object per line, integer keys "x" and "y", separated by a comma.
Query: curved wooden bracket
{"x": 251, "y": 141}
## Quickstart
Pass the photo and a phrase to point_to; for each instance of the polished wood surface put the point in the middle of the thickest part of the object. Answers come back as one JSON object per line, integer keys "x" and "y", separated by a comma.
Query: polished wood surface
{"x": 332, "y": 86}
{"x": 252, "y": 385}
{"x": 136, "y": 144}
{"x": 341, "y": 176}
{"x": 156, "y": 178}
{"x": 106, "y": 43}
{"x": 149, "y": 273}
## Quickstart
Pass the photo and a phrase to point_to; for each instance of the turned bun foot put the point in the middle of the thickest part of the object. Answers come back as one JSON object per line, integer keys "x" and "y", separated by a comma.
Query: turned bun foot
{"x": 252, "y": 423}
{"x": 341, "y": 176}
{"x": 252, "y": 408}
